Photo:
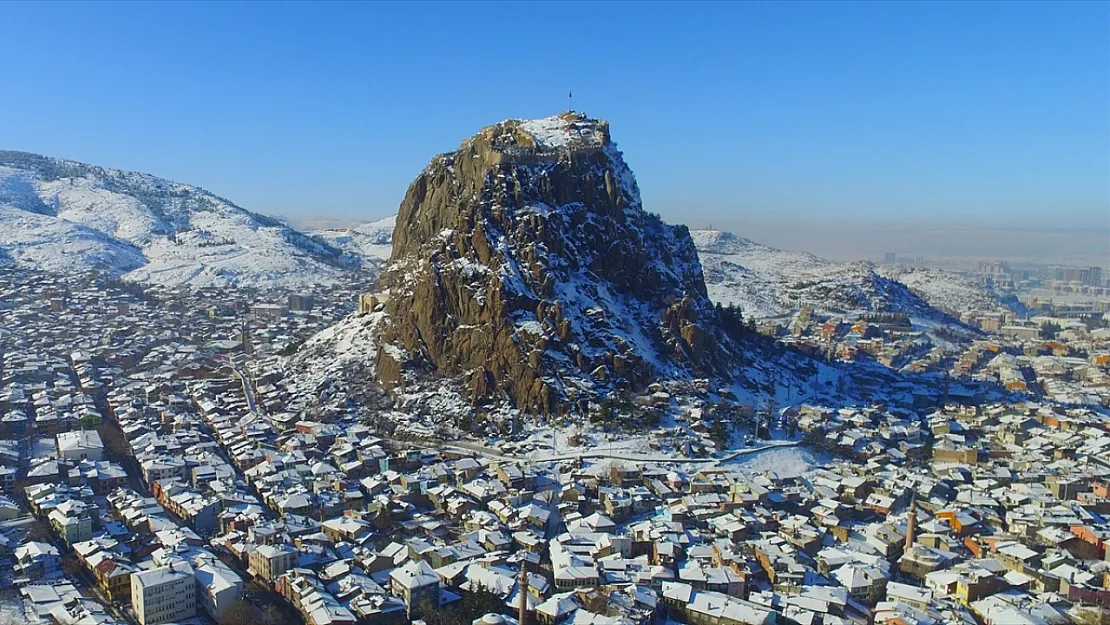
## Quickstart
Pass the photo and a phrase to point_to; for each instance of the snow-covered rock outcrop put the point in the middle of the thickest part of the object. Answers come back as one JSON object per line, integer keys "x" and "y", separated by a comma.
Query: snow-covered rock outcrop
{"x": 525, "y": 270}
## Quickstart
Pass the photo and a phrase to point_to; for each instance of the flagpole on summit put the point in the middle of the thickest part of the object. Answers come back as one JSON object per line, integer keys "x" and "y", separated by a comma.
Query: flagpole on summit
{"x": 570, "y": 100}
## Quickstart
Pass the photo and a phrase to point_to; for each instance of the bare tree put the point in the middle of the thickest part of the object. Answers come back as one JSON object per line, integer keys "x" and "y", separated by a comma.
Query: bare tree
{"x": 241, "y": 613}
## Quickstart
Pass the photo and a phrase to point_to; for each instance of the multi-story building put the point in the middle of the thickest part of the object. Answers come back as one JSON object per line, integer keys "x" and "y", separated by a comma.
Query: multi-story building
{"x": 269, "y": 561}
{"x": 301, "y": 302}
{"x": 35, "y": 560}
{"x": 112, "y": 573}
{"x": 218, "y": 587}
{"x": 415, "y": 582}
{"x": 164, "y": 467}
{"x": 165, "y": 594}
{"x": 1091, "y": 276}
{"x": 72, "y": 522}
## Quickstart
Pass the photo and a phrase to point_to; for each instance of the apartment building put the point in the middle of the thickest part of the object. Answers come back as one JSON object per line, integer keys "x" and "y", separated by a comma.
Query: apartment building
{"x": 416, "y": 583}
{"x": 165, "y": 594}
{"x": 269, "y": 561}
{"x": 217, "y": 586}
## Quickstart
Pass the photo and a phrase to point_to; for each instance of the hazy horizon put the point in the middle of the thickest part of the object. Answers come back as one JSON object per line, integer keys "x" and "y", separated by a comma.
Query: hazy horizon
{"x": 953, "y": 243}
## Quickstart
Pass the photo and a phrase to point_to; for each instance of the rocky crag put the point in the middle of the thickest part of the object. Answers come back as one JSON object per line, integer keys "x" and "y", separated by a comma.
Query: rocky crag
{"x": 525, "y": 267}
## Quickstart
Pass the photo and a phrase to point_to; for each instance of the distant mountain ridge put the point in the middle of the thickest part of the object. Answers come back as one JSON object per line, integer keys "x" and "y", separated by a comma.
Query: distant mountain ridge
{"x": 770, "y": 283}
{"x": 66, "y": 216}
{"x": 371, "y": 241}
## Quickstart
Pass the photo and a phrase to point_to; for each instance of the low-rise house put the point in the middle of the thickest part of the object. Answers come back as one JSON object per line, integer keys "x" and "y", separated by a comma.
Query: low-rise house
{"x": 80, "y": 445}
{"x": 37, "y": 560}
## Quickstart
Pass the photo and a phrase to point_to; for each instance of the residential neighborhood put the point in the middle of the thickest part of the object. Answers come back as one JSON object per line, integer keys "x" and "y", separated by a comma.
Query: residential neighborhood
{"x": 158, "y": 469}
{"x": 555, "y": 313}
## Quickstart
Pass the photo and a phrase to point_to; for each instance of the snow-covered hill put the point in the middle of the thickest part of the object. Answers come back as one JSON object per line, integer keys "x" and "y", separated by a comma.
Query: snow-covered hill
{"x": 61, "y": 215}
{"x": 372, "y": 241}
{"x": 769, "y": 283}
{"x": 950, "y": 291}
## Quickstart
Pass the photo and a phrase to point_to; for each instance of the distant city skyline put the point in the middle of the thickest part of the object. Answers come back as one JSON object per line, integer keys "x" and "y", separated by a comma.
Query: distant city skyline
{"x": 749, "y": 116}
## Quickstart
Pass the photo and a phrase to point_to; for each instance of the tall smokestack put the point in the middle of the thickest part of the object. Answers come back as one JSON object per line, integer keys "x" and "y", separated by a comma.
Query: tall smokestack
{"x": 522, "y": 599}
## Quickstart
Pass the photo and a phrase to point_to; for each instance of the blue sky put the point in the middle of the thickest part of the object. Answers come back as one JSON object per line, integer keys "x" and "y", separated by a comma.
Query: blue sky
{"x": 727, "y": 112}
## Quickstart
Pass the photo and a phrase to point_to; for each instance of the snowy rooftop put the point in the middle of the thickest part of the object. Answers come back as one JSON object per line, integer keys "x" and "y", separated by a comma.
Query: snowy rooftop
{"x": 82, "y": 439}
{"x": 162, "y": 575}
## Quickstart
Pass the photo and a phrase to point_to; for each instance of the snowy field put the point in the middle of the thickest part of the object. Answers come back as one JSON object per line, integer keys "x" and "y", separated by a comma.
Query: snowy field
{"x": 783, "y": 462}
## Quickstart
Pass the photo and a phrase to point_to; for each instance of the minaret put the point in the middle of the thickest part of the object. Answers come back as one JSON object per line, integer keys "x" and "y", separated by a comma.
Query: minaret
{"x": 522, "y": 588}
{"x": 911, "y": 525}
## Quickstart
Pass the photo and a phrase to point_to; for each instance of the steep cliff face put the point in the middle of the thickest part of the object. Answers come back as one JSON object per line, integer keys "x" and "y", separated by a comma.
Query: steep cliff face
{"x": 524, "y": 264}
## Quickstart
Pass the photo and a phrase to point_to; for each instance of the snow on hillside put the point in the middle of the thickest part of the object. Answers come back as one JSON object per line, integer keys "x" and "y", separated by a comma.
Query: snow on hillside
{"x": 337, "y": 351}
{"x": 60, "y": 215}
{"x": 948, "y": 291}
{"x": 61, "y": 246}
{"x": 369, "y": 241}
{"x": 769, "y": 283}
